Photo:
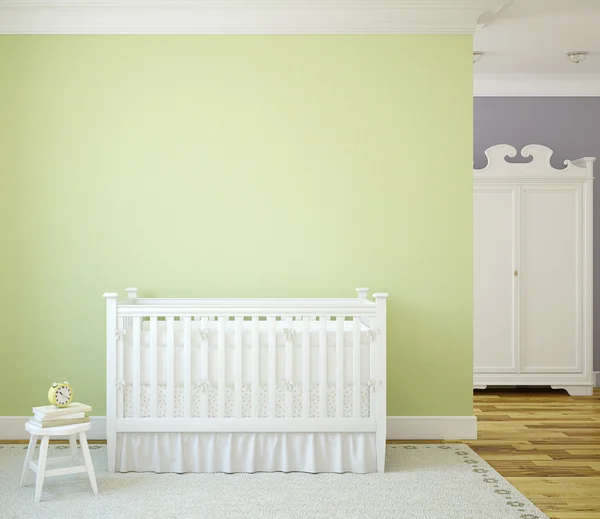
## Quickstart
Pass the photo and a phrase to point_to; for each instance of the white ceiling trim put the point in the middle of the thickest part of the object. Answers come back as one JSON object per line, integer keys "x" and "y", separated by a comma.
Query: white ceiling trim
{"x": 536, "y": 85}
{"x": 245, "y": 16}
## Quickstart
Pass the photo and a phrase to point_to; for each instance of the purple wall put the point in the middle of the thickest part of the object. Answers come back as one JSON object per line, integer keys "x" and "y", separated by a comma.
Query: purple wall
{"x": 568, "y": 125}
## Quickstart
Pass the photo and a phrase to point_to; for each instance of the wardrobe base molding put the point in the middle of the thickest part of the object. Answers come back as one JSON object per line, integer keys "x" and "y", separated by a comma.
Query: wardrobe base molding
{"x": 580, "y": 386}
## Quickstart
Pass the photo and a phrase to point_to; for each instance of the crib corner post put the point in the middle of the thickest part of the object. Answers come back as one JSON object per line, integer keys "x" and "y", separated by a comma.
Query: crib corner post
{"x": 362, "y": 293}
{"x": 132, "y": 294}
{"x": 381, "y": 435}
{"x": 111, "y": 374}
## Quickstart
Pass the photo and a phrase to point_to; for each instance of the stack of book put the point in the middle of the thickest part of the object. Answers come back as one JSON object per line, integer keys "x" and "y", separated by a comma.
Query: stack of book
{"x": 52, "y": 416}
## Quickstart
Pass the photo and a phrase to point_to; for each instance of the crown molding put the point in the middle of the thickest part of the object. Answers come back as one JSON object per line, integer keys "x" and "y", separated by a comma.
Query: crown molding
{"x": 245, "y": 16}
{"x": 536, "y": 85}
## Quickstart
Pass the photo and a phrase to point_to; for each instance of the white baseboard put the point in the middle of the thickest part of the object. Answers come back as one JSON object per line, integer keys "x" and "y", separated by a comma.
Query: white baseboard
{"x": 398, "y": 428}
{"x": 432, "y": 428}
{"x": 13, "y": 428}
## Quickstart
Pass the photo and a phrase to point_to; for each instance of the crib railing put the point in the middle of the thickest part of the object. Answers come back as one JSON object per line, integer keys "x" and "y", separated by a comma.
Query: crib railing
{"x": 199, "y": 320}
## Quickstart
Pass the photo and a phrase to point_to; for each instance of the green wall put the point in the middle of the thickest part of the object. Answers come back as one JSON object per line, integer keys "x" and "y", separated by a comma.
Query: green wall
{"x": 225, "y": 166}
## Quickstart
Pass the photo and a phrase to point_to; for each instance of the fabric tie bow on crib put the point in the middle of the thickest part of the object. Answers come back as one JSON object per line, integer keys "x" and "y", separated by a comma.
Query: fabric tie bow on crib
{"x": 203, "y": 334}
{"x": 203, "y": 385}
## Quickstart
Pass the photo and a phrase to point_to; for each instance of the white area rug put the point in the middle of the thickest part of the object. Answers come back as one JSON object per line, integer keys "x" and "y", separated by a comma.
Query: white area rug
{"x": 421, "y": 481}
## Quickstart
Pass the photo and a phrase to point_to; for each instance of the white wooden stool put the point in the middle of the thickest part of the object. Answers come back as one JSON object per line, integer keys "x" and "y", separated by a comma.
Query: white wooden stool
{"x": 76, "y": 464}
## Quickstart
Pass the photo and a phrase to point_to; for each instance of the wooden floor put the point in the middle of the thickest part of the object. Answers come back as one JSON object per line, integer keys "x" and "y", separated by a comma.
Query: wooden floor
{"x": 546, "y": 443}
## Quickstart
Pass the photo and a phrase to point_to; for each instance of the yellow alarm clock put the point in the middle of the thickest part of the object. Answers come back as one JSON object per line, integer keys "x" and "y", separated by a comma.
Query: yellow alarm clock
{"x": 60, "y": 394}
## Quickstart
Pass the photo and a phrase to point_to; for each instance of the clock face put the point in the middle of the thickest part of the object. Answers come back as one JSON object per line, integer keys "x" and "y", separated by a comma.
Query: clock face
{"x": 62, "y": 395}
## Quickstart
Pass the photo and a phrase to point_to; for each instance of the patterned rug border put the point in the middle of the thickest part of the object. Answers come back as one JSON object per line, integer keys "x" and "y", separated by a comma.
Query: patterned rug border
{"x": 513, "y": 499}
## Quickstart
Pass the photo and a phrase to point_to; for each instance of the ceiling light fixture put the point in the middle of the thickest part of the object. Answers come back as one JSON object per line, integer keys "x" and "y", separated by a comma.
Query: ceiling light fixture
{"x": 577, "y": 56}
{"x": 477, "y": 55}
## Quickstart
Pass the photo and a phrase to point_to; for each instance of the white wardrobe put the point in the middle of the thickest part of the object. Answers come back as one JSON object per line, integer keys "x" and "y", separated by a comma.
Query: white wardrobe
{"x": 533, "y": 271}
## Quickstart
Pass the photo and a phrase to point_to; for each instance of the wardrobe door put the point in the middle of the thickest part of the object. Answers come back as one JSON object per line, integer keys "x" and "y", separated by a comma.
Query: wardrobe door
{"x": 494, "y": 266}
{"x": 550, "y": 278}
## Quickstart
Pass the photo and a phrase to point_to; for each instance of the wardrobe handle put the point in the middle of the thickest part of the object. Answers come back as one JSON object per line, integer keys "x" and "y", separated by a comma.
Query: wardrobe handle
{"x": 516, "y": 273}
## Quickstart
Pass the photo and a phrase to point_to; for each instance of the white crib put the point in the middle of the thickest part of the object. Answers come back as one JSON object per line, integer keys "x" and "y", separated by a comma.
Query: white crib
{"x": 246, "y": 385}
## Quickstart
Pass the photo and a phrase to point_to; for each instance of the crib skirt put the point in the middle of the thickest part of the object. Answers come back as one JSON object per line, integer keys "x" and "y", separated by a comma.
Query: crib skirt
{"x": 246, "y": 452}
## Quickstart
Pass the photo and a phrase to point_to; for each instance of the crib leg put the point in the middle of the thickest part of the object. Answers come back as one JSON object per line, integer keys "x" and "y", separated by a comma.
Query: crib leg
{"x": 380, "y": 442}
{"x": 111, "y": 448}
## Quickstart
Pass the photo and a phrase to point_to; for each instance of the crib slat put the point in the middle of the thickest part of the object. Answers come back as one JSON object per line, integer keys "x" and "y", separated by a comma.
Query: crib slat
{"x": 272, "y": 368}
{"x": 339, "y": 367}
{"x": 372, "y": 367}
{"x": 120, "y": 381}
{"x": 323, "y": 391}
{"x": 136, "y": 360}
{"x": 289, "y": 368}
{"x": 204, "y": 368}
{"x": 238, "y": 366}
{"x": 170, "y": 367}
{"x": 306, "y": 368}
{"x": 153, "y": 367}
{"x": 187, "y": 366}
{"x": 356, "y": 368}
{"x": 221, "y": 367}
{"x": 255, "y": 367}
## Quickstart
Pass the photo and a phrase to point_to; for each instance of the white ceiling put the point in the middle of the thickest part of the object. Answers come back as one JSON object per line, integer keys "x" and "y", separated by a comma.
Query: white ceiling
{"x": 244, "y": 16}
{"x": 533, "y": 36}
